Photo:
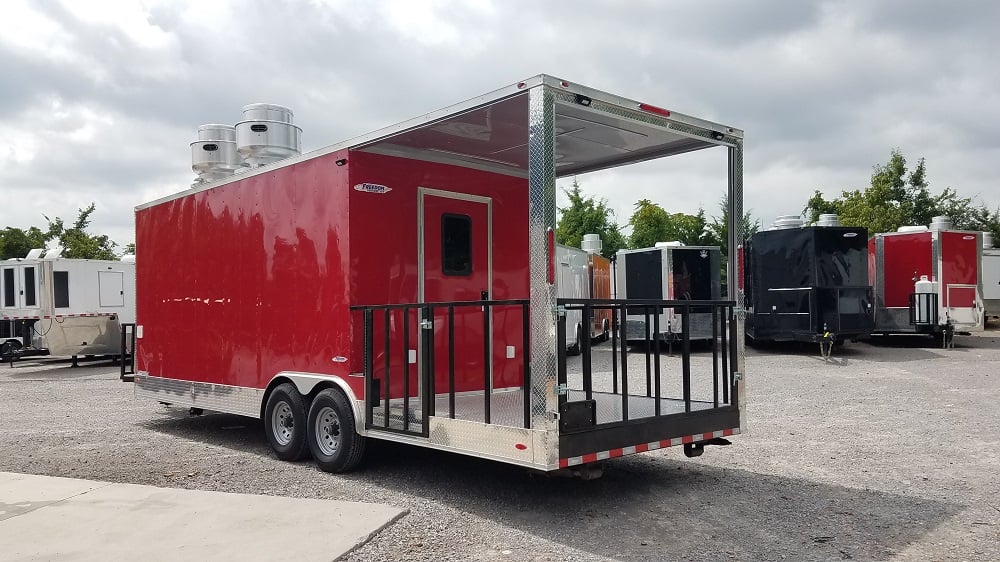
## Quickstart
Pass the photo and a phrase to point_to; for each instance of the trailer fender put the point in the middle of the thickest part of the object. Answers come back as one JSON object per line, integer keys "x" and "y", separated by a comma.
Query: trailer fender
{"x": 306, "y": 383}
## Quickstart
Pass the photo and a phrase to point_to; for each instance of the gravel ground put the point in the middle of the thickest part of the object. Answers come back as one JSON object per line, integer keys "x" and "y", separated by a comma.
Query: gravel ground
{"x": 887, "y": 451}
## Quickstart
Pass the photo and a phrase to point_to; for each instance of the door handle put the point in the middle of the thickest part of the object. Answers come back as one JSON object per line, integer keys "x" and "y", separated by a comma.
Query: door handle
{"x": 484, "y": 295}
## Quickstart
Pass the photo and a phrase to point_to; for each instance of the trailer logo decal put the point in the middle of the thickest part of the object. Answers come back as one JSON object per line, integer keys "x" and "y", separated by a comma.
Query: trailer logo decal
{"x": 969, "y": 237}
{"x": 703, "y": 253}
{"x": 340, "y": 359}
{"x": 372, "y": 188}
{"x": 850, "y": 234}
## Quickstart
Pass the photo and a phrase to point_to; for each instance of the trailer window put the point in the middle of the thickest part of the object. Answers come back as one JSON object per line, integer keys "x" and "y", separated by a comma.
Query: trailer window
{"x": 60, "y": 289}
{"x": 29, "y": 286}
{"x": 456, "y": 244}
{"x": 8, "y": 287}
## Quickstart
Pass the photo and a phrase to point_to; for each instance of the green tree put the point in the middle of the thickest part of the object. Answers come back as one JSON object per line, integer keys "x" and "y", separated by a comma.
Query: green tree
{"x": 77, "y": 242}
{"x": 719, "y": 227}
{"x": 897, "y": 197}
{"x": 651, "y": 224}
{"x": 15, "y": 243}
{"x": 584, "y": 215}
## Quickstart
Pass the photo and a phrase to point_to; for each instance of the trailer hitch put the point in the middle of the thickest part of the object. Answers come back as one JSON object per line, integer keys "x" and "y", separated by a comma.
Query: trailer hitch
{"x": 692, "y": 450}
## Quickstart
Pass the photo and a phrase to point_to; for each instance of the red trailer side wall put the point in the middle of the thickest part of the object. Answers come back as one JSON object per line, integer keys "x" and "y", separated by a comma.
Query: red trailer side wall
{"x": 959, "y": 266}
{"x": 245, "y": 280}
{"x": 906, "y": 257}
{"x": 384, "y": 265}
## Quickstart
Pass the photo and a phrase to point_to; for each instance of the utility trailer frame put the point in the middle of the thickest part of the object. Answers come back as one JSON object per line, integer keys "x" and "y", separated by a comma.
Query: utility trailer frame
{"x": 359, "y": 352}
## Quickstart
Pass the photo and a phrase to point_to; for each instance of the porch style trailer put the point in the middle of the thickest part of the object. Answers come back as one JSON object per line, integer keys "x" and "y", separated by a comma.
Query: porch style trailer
{"x": 927, "y": 280}
{"x": 401, "y": 286}
{"x": 64, "y": 307}
{"x": 670, "y": 271}
{"x": 808, "y": 283}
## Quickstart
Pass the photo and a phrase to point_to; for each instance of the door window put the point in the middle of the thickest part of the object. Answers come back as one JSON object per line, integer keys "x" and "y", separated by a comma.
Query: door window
{"x": 8, "y": 287}
{"x": 456, "y": 244}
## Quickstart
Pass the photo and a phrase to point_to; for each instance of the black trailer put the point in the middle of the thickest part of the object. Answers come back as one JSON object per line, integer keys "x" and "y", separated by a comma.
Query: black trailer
{"x": 808, "y": 284}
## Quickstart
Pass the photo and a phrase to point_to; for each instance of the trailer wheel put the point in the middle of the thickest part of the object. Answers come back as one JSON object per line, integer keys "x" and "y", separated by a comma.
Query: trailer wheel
{"x": 576, "y": 347}
{"x": 285, "y": 423}
{"x": 606, "y": 335}
{"x": 332, "y": 436}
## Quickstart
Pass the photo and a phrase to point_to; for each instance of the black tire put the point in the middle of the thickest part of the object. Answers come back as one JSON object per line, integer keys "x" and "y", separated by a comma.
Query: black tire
{"x": 285, "y": 423}
{"x": 332, "y": 436}
{"x": 606, "y": 335}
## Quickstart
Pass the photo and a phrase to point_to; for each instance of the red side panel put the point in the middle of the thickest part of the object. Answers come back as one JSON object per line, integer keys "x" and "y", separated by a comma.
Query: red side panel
{"x": 906, "y": 258}
{"x": 385, "y": 230}
{"x": 959, "y": 266}
{"x": 242, "y": 281}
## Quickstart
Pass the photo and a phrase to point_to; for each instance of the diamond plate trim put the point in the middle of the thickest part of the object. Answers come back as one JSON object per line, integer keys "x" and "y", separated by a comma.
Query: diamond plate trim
{"x": 541, "y": 217}
{"x": 215, "y": 397}
{"x": 508, "y": 444}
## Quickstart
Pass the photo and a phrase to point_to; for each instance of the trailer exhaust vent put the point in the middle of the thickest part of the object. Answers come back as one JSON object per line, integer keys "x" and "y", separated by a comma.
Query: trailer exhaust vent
{"x": 940, "y": 223}
{"x": 787, "y": 221}
{"x": 591, "y": 243}
{"x": 828, "y": 220}
{"x": 267, "y": 134}
{"x": 214, "y": 155}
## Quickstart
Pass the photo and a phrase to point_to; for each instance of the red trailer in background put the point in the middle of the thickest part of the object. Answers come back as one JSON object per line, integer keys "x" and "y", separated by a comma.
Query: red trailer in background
{"x": 927, "y": 280}
{"x": 401, "y": 286}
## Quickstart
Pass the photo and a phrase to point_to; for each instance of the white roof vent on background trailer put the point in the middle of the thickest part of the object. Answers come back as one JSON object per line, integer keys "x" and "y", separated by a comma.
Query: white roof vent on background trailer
{"x": 214, "y": 155}
{"x": 591, "y": 243}
{"x": 670, "y": 244}
{"x": 941, "y": 223}
{"x": 828, "y": 220}
{"x": 786, "y": 221}
{"x": 912, "y": 228}
{"x": 34, "y": 253}
{"x": 267, "y": 134}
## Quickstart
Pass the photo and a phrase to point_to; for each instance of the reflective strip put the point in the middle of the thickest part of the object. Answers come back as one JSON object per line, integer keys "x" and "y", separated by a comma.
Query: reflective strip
{"x": 643, "y": 447}
{"x": 47, "y": 316}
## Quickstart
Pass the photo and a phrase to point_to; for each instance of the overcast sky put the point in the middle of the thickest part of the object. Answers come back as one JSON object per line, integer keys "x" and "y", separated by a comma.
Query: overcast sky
{"x": 100, "y": 100}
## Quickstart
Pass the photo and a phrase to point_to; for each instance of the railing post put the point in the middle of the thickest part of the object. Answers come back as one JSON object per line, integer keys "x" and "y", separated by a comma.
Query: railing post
{"x": 451, "y": 361}
{"x": 656, "y": 363}
{"x": 584, "y": 343}
{"x": 427, "y": 362}
{"x": 715, "y": 355}
{"x": 686, "y": 355}
{"x": 385, "y": 352}
{"x": 624, "y": 333}
{"x": 487, "y": 362}
{"x": 649, "y": 382}
{"x": 406, "y": 368}
{"x": 561, "y": 357}
{"x": 368, "y": 328}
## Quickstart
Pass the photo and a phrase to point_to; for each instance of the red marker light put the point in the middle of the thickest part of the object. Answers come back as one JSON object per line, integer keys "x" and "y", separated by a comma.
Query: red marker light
{"x": 552, "y": 256}
{"x": 654, "y": 109}
{"x": 520, "y": 446}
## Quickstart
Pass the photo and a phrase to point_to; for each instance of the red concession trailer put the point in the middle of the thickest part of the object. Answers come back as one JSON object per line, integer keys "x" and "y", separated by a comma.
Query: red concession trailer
{"x": 400, "y": 286}
{"x": 927, "y": 280}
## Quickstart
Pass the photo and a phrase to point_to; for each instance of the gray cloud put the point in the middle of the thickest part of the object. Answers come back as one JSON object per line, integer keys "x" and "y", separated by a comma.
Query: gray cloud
{"x": 105, "y": 109}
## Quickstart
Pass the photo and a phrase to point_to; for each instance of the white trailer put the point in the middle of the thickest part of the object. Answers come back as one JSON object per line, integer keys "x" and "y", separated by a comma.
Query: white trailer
{"x": 64, "y": 307}
{"x": 573, "y": 282}
{"x": 668, "y": 271}
{"x": 991, "y": 281}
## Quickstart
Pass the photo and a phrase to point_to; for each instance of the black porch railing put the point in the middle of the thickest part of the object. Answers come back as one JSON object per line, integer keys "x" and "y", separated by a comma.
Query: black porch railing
{"x": 401, "y": 382}
{"x": 620, "y": 391}
{"x": 128, "y": 352}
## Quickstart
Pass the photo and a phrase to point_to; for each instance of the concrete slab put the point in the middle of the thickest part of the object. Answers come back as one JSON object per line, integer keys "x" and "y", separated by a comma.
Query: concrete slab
{"x": 48, "y": 518}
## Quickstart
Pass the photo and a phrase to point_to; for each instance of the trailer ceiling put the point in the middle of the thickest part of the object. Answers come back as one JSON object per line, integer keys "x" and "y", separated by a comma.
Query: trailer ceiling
{"x": 494, "y": 137}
